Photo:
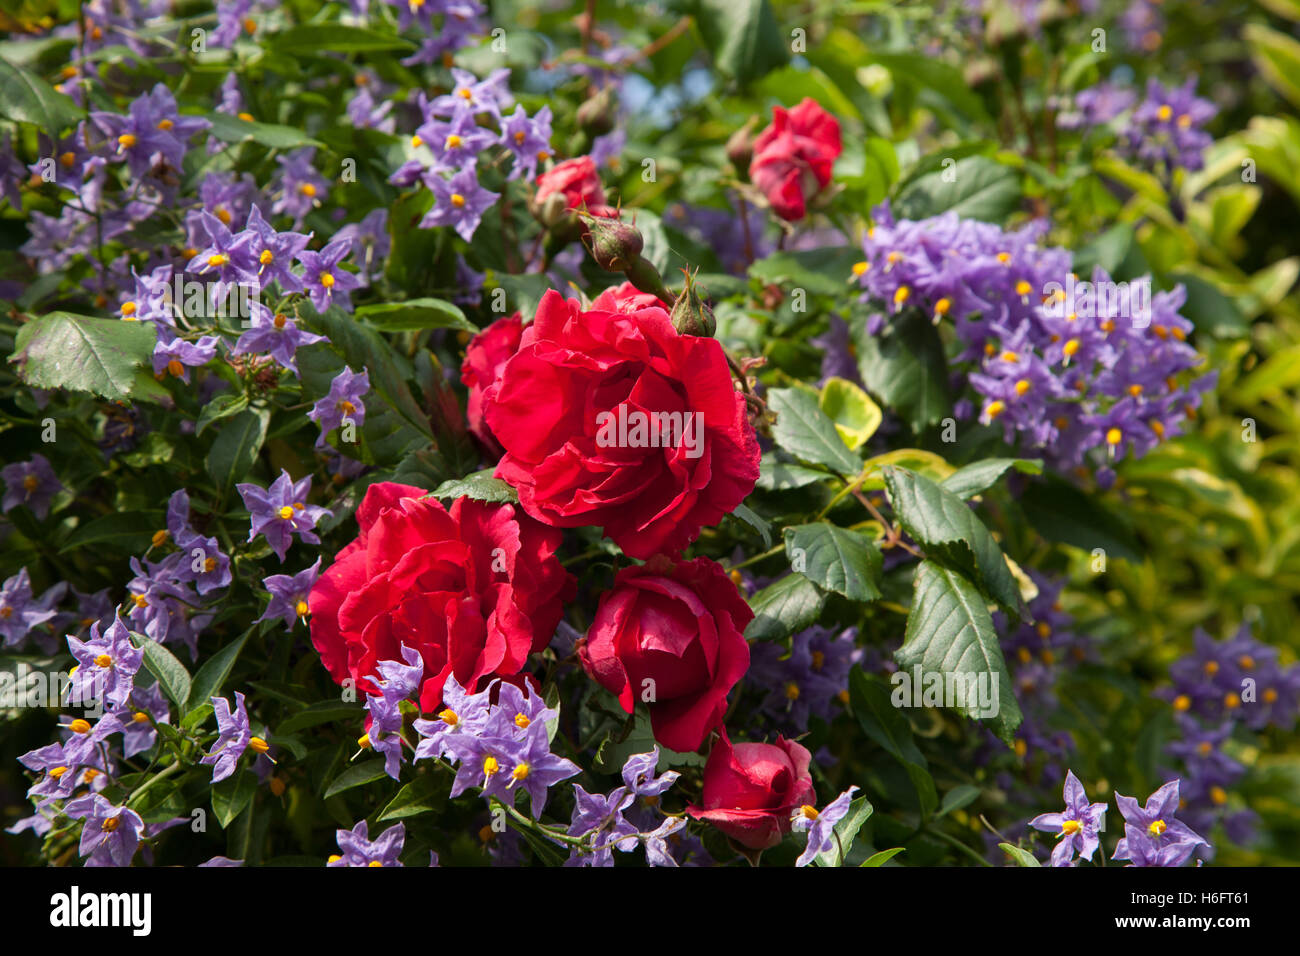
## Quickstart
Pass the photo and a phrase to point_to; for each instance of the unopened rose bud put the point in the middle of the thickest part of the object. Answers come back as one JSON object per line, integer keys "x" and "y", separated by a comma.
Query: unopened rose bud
{"x": 740, "y": 147}
{"x": 596, "y": 114}
{"x": 614, "y": 244}
{"x": 553, "y": 210}
{"x": 690, "y": 315}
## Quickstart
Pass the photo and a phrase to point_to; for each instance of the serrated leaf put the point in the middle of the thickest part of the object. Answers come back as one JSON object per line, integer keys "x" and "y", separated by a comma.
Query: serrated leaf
{"x": 950, "y": 631}
{"x": 951, "y": 533}
{"x": 26, "y": 98}
{"x": 836, "y": 558}
{"x": 480, "y": 486}
{"x": 975, "y": 188}
{"x": 172, "y": 676}
{"x": 222, "y": 406}
{"x": 970, "y": 480}
{"x": 84, "y": 353}
{"x": 804, "y": 431}
{"x": 817, "y": 271}
{"x": 855, "y": 415}
{"x": 777, "y": 475}
{"x": 755, "y": 521}
{"x": 414, "y": 315}
{"x": 783, "y": 607}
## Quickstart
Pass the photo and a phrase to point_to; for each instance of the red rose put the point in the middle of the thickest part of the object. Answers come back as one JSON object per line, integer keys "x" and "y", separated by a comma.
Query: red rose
{"x": 793, "y": 157}
{"x": 486, "y": 354}
{"x": 615, "y": 420}
{"x": 672, "y": 632}
{"x": 627, "y": 298}
{"x": 579, "y": 182}
{"x": 423, "y": 576}
{"x": 750, "y": 790}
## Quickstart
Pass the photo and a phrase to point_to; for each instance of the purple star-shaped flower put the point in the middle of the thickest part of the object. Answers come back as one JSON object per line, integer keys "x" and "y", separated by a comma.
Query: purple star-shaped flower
{"x": 139, "y": 734}
{"x": 178, "y": 356}
{"x": 234, "y": 736}
{"x": 106, "y": 664}
{"x": 84, "y": 738}
{"x": 110, "y": 834}
{"x": 1076, "y": 827}
{"x": 459, "y": 202}
{"x": 228, "y": 256}
{"x": 359, "y": 850}
{"x": 281, "y": 511}
{"x": 820, "y": 826}
{"x": 273, "y": 252}
{"x": 1152, "y": 837}
{"x": 20, "y": 610}
{"x": 324, "y": 282}
{"x": 289, "y": 594}
{"x": 457, "y": 141}
{"x": 301, "y": 188}
{"x": 528, "y": 139}
{"x": 342, "y": 404}
{"x": 600, "y": 817}
{"x": 31, "y": 483}
{"x": 639, "y": 775}
{"x": 275, "y": 334}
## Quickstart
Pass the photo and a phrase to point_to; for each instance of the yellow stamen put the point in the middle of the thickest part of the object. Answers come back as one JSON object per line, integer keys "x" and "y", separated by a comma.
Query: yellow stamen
{"x": 104, "y": 660}
{"x": 126, "y": 141}
{"x": 79, "y": 726}
{"x": 258, "y": 745}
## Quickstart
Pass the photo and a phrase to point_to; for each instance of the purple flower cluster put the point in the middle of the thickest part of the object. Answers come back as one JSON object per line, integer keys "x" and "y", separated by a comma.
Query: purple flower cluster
{"x": 806, "y": 682}
{"x": 1068, "y": 368}
{"x": 452, "y": 135}
{"x": 1238, "y": 679}
{"x": 21, "y": 610}
{"x": 1165, "y": 130}
{"x": 359, "y": 850}
{"x": 446, "y": 26}
{"x": 602, "y": 820}
{"x": 497, "y": 747}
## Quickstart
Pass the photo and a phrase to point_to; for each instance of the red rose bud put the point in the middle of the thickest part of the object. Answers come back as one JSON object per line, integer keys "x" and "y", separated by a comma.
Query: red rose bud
{"x": 750, "y": 790}
{"x": 669, "y": 635}
{"x": 740, "y": 147}
{"x": 793, "y": 157}
{"x": 614, "y": 244}
{"x": 690, "y": 315}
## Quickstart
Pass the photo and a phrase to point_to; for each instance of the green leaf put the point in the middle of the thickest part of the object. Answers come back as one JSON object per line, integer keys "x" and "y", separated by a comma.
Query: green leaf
{"x": 26, "y": 98}
{"x": 950, "y": 631}
{"x": 232, "y": 129}
{"x": 970, "y": 480}
{"x": 1278, "y": 58}
{"x": 975, "y": 188}
{"x": 1061, "y": 512}
{"x": 959, "y": 796}
{"x": 232, "y": 796}
{"x": 222, "y": 406}
{"x": 421, "y": 795}
{"x": 845, "y": 831}
{"x": 883, "y": 857}
{"x": 756, "y": 521}
{"x": 817, "y": 271}
{"x": 888, "y": 727}
{"x": 804, "y": 431}
{"x": 1022, "y": 857}
{"x": 172, "y": 676}
{"x": 1209, "y": 309}
{"x": 836, "y": 559}
{"x": 236, "y": 447}
{"x": 743, "y": 37}
{"x": 790, "y": 604}
{"x": 951, "y": 534}
{"x": 311, "y": 38}
{"x": 324, "y": 712}
{"x": 130, "y": 531}
{"x": 905, "y": 367}
{"x": 934, "y": 74}
{"x": 368, "y": 771}
{"x": 83, "y": 353}
{"x": 855, "y": 415}
{"x": 207, "y": 682}
{"x": 480, "y": 486}
{"x": 777, "y": 475}
{"x": 414, "y": 315}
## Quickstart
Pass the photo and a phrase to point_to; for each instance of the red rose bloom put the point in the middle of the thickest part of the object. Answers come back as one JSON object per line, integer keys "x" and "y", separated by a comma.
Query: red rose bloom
{"x": 585, "y": 411}
{"x": 423, "y": 576}
{"x": 750, "y": 790}
{"x": 627, "y": 298}
{"x": 793, "y": 157}
{"x": 671, "y": 634}
{"x": 578, "y": 180}
{"x": 486, "y": 354}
